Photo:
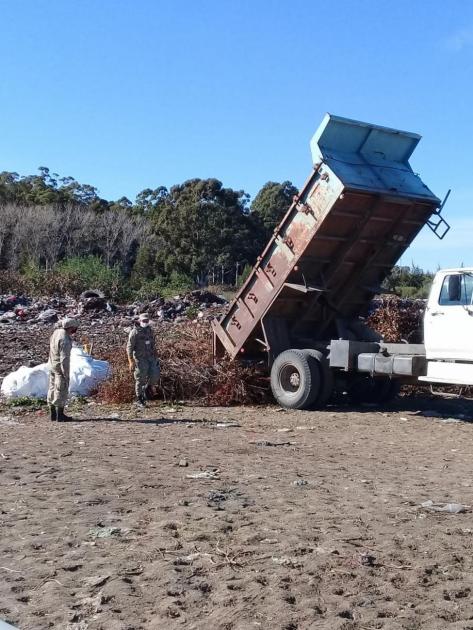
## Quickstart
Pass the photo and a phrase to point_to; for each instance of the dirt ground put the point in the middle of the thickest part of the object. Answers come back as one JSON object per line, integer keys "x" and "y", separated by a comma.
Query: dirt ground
{"x": 302, "y": 519}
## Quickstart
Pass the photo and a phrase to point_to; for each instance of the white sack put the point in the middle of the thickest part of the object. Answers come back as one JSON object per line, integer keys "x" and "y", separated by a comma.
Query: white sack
{"x": 86, "y": 372}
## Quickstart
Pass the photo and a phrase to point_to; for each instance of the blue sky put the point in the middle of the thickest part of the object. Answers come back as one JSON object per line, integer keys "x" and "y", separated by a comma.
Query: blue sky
{"x": 128, "y": 94}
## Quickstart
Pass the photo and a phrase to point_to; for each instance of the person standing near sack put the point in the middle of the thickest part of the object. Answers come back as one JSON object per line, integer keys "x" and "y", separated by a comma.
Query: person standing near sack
{"x": 142, "y": 359}
{"x": 60, "y": 346}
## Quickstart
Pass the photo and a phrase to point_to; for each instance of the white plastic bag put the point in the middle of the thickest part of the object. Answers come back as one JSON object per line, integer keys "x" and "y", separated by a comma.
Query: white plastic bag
{"x": 31, "y": 382}
{"x": 85, "y": 372}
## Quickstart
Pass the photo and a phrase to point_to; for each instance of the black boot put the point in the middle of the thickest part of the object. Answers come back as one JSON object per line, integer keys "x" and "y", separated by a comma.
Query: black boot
{"x": 61, "y": 416}
{"x": 52, "y": 413}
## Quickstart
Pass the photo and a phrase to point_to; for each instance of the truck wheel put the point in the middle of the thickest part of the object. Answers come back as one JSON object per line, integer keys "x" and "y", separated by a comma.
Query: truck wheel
{"x": 295, "y": 379}
{"x": 372, "y": 390}
{"x": 327, "y": 381}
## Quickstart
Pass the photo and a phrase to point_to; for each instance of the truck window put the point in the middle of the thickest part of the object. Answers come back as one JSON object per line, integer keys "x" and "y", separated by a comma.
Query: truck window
{"x": 453, "y": 290}
{"x": 468, "y": 280}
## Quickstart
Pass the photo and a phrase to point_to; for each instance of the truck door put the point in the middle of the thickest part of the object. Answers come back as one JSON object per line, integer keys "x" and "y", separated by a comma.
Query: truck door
{"x": 448, "y": 321}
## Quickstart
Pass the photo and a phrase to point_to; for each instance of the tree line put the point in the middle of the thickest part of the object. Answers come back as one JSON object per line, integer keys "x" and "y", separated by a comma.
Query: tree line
{"x": 199, "y": 229}
{"x": 197, "y": 232}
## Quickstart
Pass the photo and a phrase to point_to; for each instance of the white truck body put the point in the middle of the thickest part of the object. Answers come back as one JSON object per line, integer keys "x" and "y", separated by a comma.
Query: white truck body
{"x": 445, "y": 357}
{"x": 448, "y": 328}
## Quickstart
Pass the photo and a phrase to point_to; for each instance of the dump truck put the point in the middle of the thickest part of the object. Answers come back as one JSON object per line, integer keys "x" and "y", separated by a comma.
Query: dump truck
{"x": 302, "y": 309}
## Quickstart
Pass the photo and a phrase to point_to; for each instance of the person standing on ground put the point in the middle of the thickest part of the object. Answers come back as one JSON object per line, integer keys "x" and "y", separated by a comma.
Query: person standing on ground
{"x": 142, "y": 359}
{"x": 60, "y": 346}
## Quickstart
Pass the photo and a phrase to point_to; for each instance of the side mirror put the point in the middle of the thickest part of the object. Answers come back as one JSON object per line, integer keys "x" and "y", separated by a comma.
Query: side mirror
{"x": 454, "y": 288}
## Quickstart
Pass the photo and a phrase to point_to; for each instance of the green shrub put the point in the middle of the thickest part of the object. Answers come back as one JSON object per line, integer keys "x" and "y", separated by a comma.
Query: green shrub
{"x": 244, "y": 275}
{"x": 33, "y": 276}
{"x": 74, "y": 275}
{"x": 160, "y": 286}
{"x": 178, "y": 283}
{"x": 90, "y": 272}
{"x": 150, "y": 289}
{"x": 413, "y": 292}
{"x": 38, "y": 281}
{"x": 71, "y": 276}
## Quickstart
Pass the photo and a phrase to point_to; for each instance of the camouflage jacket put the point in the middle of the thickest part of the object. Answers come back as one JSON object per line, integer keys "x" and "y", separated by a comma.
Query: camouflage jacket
{"x": 141, "y": 343}
{"x": 60, "y": 346}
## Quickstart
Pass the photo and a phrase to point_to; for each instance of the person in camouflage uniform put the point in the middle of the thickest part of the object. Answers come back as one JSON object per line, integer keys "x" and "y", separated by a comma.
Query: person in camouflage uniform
{"x": 60, "y": 346}
{"x": 142, "y": 360}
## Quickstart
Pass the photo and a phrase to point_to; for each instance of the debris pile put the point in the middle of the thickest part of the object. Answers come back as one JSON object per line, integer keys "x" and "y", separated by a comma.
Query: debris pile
{"x": 398, "y": 319}
{"x": 22, "y": 309}
{"x": 188, "y": 372}
{"x": 196, "y": 305}
{"x": 94, "y": 300}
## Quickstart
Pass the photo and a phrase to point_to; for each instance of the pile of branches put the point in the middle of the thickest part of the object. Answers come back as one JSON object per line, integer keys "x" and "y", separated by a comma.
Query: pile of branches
{"x": 398, "y": 319}
{"x": 188, "y": 372}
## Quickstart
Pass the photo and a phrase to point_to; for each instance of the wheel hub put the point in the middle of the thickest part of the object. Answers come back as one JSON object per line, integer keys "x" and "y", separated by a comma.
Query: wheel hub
{"x": 290, "y": 378}
{"x": 295, "y": 379}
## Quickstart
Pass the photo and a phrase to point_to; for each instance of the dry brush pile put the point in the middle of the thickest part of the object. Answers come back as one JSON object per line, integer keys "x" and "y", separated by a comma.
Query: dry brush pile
{"x": 188, "y": 372}
{"x": 398, "y": 319}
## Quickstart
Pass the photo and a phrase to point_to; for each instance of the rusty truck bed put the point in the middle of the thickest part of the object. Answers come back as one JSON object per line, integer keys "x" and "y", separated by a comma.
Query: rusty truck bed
{"x": 355, "y": 216}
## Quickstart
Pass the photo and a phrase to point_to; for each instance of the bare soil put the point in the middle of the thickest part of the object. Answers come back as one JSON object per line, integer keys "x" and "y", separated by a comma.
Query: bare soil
{"x": 306, "y": 519}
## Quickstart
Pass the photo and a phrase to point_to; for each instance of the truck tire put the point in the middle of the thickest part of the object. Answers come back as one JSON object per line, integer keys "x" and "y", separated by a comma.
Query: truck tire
{"x": 327, "y": 384}
{"x": 366, "y": 389}
{"x": 295, "y": 379}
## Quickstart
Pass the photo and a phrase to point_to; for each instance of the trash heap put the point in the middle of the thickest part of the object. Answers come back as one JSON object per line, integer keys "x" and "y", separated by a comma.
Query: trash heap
{"x": 14, "y": 308}
{"x": 196, "y": 305}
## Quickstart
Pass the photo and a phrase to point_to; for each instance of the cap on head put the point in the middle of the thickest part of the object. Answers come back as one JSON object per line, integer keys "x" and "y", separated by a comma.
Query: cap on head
{"x": 69, "y": 322}
{"x": 144, "y": 317}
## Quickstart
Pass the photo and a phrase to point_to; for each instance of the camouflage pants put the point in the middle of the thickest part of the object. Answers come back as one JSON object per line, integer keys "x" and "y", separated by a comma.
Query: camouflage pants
{"x": 58, "y": 389}
{"x": 146, "y": 373}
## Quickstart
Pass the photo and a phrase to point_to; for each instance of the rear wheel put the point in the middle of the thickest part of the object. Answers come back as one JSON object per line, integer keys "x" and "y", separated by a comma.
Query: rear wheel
{"x": 326, "y": 376}
{"x": 295, "y": 379}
